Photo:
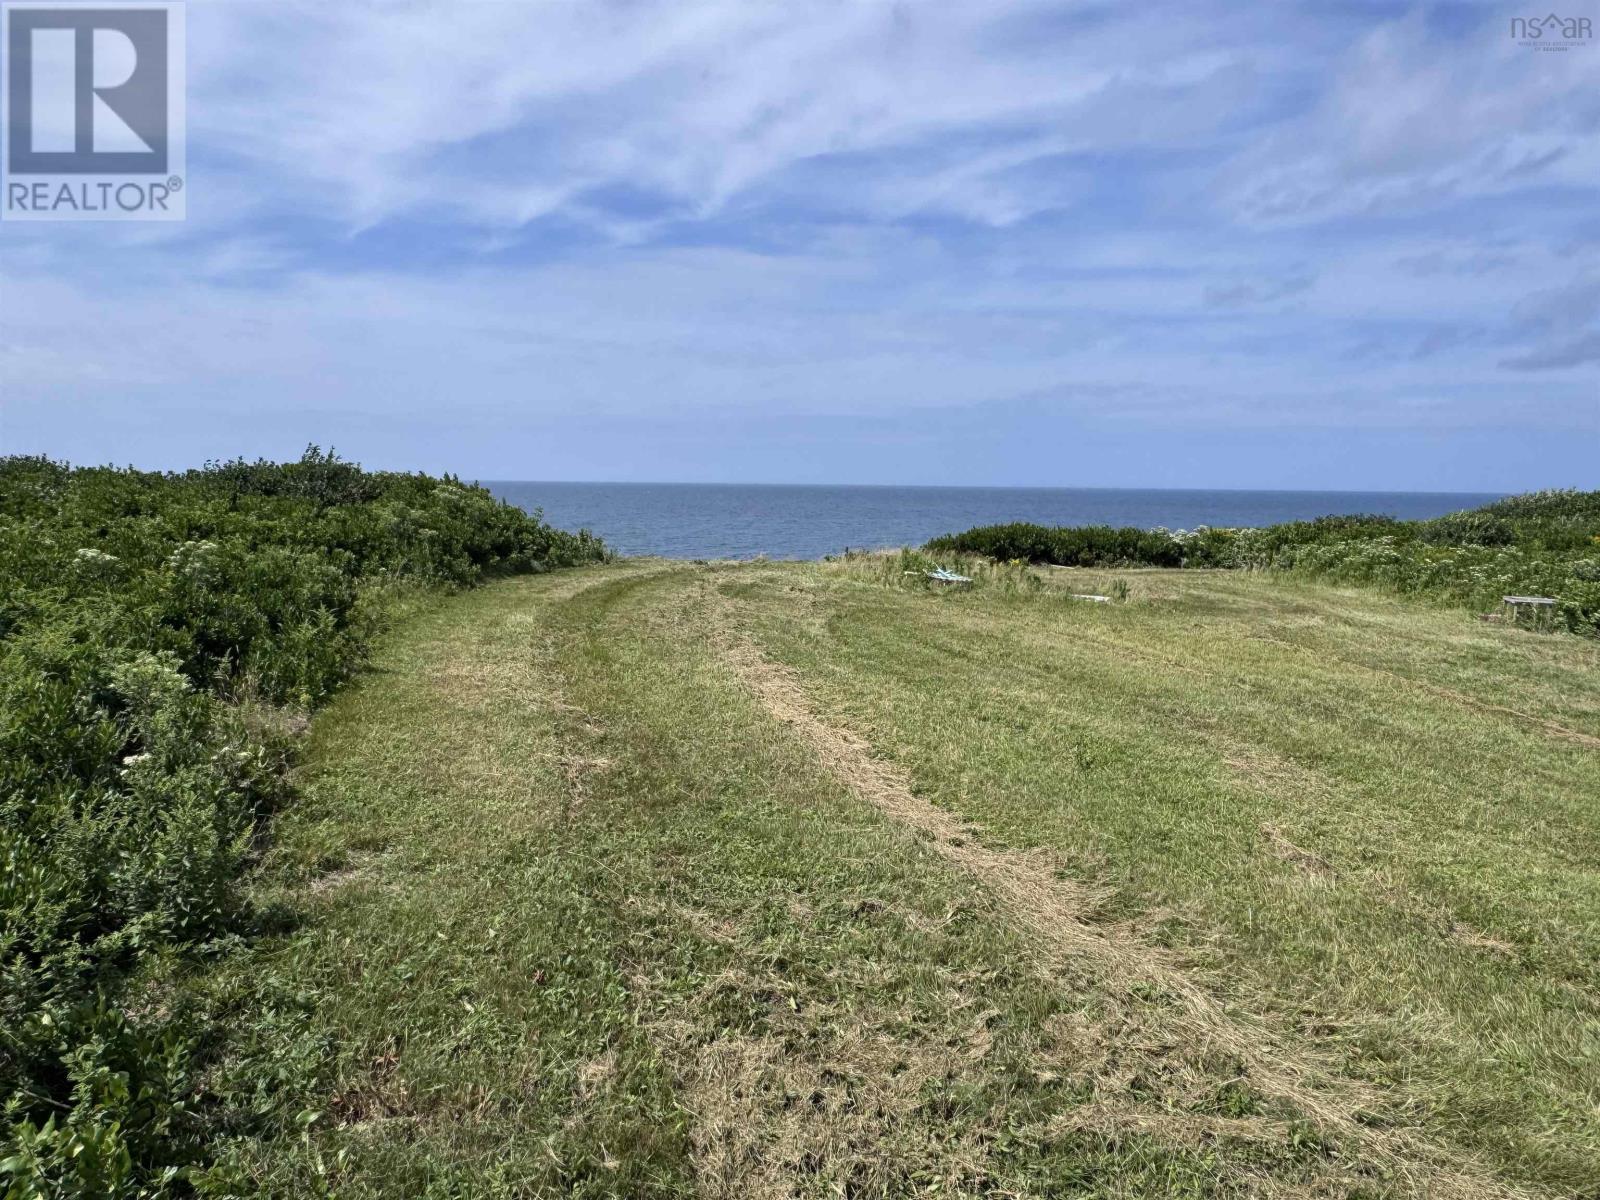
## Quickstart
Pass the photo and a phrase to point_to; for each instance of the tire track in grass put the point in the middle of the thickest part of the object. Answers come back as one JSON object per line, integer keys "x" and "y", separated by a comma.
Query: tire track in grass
{"x": 1545, "y": 725}
{"x": 845, "y": 1089}
{"x": 1054, "y": 912}
{"x": 1199, "y": 668}
{"x": 465, "y": 1051}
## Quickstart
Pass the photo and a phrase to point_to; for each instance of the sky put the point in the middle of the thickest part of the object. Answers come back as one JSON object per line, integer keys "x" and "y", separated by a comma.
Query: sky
{"x": 1308, "y": 245}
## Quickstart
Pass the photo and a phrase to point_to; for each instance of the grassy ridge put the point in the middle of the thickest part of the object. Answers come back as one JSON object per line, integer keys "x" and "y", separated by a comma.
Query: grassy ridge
{"x": 161, "y": 638}
{"x": 1545, "y": 543}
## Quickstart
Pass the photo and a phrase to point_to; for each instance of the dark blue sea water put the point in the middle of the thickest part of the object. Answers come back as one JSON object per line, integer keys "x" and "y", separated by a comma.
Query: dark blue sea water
{"x": 736, "y": 520}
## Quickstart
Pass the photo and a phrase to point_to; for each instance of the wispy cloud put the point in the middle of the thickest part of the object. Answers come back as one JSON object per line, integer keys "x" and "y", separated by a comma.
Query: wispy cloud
{"x": 1574, "y": 352}
{"x": 1165, "y": 216}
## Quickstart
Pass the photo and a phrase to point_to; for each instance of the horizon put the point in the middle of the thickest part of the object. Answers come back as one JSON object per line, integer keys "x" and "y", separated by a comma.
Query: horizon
{"x": 1344, "y": 248}
{"x": 990, "y": 487}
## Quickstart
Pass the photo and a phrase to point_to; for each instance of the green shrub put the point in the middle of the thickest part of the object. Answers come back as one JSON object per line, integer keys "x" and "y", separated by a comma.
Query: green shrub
{"x": 1066, "y": 546}
{"x": 1545, "y": 543}
{"x": 152, "y": 628}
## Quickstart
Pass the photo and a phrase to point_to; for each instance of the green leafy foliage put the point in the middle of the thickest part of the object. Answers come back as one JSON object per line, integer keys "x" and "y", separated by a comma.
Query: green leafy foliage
{"x": 160, "y": 635}
{"x": 1066, "y": 546}
{"x": 1543, "y": 543}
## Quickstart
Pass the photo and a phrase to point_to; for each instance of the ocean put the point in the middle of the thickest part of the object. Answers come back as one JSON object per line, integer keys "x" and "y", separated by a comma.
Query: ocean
{"x": 737, "y": 520}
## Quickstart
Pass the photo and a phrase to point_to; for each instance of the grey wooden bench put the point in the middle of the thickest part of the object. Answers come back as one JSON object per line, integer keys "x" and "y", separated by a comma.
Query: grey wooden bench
{"x": 1538, "y": 606}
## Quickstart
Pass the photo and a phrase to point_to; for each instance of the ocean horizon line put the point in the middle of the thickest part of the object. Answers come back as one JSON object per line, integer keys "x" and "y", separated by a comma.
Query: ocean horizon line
{"x": 1008, "y": 487}
{"x": 721, "y": 520}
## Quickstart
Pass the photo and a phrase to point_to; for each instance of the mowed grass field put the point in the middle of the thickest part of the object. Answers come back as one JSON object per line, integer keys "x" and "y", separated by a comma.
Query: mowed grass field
{"x": 801, "y": 880}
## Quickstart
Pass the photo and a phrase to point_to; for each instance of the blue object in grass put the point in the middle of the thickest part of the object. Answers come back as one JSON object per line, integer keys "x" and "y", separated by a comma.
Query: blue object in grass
{"x": 943, "y": 576}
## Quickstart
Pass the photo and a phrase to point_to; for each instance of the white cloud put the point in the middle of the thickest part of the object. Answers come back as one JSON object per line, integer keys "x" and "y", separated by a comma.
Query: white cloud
{"x": 368, "y": 110}
{"x": 1160, "y": 214}
{"x": 1413, "y": 120}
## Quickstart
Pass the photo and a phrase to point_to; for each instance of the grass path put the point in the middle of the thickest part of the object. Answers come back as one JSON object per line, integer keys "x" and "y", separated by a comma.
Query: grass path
{"x": 773, "y": 881}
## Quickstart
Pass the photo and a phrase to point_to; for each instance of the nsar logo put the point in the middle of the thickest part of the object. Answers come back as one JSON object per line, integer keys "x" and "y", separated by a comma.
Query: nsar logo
{"x": 1552, "y": 32}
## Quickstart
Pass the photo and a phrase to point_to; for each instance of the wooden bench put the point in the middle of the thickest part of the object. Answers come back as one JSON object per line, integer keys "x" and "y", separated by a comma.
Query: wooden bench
{"x": 1539, "y": 606}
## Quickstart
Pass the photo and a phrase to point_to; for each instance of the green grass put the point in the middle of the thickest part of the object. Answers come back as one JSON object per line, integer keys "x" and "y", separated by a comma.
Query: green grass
{"x": 568, "y": 910}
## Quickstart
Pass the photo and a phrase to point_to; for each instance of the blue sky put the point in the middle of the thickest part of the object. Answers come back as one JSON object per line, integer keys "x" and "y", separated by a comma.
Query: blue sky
{"x": 1189, "y": 245}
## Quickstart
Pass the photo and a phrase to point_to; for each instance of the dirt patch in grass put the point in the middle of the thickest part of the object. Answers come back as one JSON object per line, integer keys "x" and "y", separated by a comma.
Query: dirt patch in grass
{"x": 358, "y": 868}
{"x": 377, "y": 1093}
{"x": 1260, "y": 767}
{"x": 1307, "y": 860}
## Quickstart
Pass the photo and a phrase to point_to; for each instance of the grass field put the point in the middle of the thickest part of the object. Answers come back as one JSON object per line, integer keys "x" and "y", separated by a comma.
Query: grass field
{"x": 799, "y": 879}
